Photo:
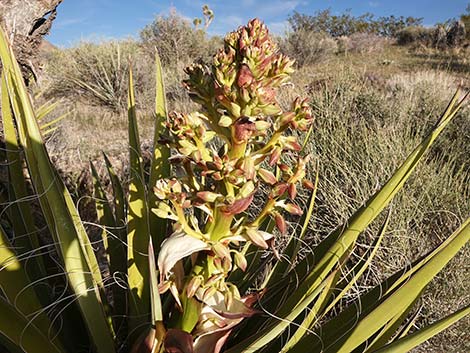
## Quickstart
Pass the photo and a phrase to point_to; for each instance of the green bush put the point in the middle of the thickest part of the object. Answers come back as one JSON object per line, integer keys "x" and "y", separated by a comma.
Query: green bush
{"x": 346, "y": 24}
{"x": 415, "y": 34}
{"x": 96, "y": 73}
{"x": 308, "y": 47}
{"x": 442, "y": 36}
{"x": 177, "y": 40}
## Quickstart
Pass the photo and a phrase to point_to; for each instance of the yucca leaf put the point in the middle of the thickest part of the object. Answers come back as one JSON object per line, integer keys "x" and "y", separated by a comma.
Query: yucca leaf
{"x": 138, "y": 232}
{"x": 45, "y": 109}
{"x": 383, "y": 336}
{"x": 25, "y": 231}
{"x": 160, "y": 167}
{"x": 17, "y": 288}
{"x": 356, "y": 272}
{"x": 20, "y": 332}
{"x": 409, "y": 325}
{"x": 118, "y": 197}
{"x": 411, "y": 341}
{"x": 63, "y": 218}
{"x": 47, "y": 126}
{"x": 103, "y": 211}
{"x": 155, "y": 301}
{"x": 371, "y": 322}
{"x": 318, "y": 311}
{"x": 156, "y": 306}
{"x": 305, "y": 326}
{"x": 116, "y": 250}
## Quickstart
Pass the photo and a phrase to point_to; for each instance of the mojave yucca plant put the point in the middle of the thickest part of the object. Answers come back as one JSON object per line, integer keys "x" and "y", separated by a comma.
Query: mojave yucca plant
{"x": 191, "y": 249}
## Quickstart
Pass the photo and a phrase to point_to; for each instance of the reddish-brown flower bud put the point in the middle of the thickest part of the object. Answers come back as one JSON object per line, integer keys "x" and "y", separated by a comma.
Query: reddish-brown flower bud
{"x": 279, "y": 189}
{"x": 240, "y": 261}
{"x": 207, "y": 196}
{"x": 256, "y": 237}
{"x": 243, "y": 129}
{"x": 238, "y": 205}
{"x": 292, "y": 191}
{"x": 275, "y": 155}
{"x": 245, "y": 76}
{"x": 267, "y": 176}
{"x": 293, "y": 209}
{"x": 308, "y": 184}
{"x": 280, "y": 223}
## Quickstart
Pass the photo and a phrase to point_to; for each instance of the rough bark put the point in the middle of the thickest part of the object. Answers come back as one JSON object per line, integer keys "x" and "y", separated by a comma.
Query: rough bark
{"x": 26, "y": 22}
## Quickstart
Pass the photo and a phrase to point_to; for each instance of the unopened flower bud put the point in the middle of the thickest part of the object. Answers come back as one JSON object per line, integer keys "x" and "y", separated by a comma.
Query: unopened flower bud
{"x": 280, "y": 223}
{"x": 267, "y": 176}
{"x": 275, "y": 155}
{"x": 256, "y": 237}
{"x": 208, "y": 293}
{"x": 207, "y": 196}
{"x": 221, "y": 250}
{"x": 308, "y": 184}
{"x": 292, "y": 191}
{"x": 240, "y": 261}
{"x": 279, "y": 189}
{"x": 193, "y": 285}
{"x": 293, "y": 209}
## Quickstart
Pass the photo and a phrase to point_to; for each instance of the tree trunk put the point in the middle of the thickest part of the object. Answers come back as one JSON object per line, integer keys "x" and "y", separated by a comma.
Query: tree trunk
{"x": 26, "y": 22}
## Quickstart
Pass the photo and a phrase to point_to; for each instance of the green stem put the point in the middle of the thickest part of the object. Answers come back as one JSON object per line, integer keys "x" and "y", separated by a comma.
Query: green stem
{"x": 269, "y": 206}
{"x": 220, "y": 226}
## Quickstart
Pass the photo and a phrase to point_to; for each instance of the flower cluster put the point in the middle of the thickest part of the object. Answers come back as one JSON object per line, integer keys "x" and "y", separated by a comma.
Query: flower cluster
{"x": 223, "y": 156}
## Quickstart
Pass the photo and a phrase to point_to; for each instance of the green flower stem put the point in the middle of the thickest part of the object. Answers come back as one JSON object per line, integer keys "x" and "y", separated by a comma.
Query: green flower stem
{"x": 271, "y": 143}
{"x": 191, "y": 177}
{"x": 221, "y": 225}
{"x": 238, "y": 150}
{"x": 184, "y": 224}
{"x": 205, "y": 155}
{"x": 268, "y": 207}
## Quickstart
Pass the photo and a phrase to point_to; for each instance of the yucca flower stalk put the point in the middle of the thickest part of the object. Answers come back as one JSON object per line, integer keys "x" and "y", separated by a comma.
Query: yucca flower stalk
{"x": 224, "y": 155}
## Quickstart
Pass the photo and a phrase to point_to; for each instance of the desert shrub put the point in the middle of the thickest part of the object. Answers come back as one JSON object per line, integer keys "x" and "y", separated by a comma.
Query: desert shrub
{"x": 415, "y": 34}
{"x": 456, "y": 34}
{"x": 442, "y": 36}
{"x": 465, "y": 18}
{"x": 362, "y": 42}
{"x": 346, "y": 24}
{"x": 177, "y": 40}
{"x": 308, "y": 47}
{"x": 96, "y": 73}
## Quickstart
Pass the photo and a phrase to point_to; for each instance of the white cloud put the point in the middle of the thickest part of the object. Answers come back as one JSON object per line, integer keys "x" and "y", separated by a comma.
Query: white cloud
{"x": 374, "y": 4}
{"x": 278, "y": 28}
{"x": 68, "y": 22}
{"x": 276, "y": 8}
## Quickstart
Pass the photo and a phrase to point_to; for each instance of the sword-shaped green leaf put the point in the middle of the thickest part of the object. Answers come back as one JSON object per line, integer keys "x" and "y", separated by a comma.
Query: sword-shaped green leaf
{"x": 26, "y": 240}
{"x": 138, "y": 233}
{"x": 20, "y": 332}
{"x": 411, "y": 341}
{"x": 392, "y": 305}
{"x": 64, "y": 222}
{"x": 160, "y": 167}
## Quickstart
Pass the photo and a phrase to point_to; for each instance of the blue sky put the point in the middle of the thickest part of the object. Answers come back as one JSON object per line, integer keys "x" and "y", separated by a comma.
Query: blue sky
{"x": 103, "y": 19}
